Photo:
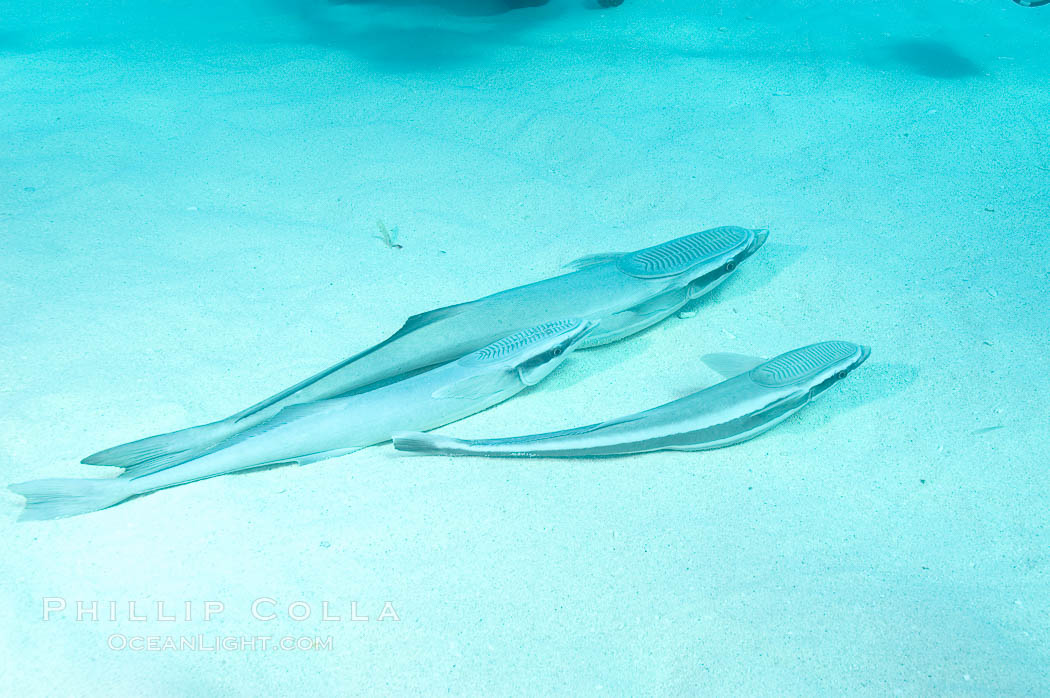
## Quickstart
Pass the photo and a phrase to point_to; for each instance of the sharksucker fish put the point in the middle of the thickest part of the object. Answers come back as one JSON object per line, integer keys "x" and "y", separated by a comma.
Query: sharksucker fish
{"x": 755, "y": 399}
{"x": 308, "y": 432}
{"x": 623, "y": 293}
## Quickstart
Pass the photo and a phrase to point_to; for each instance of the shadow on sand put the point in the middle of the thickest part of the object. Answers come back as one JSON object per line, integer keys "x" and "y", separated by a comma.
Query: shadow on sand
{"x": 931, "y": 58}
{"x": 927, "y": 57}
{"x": 869, "y": 383}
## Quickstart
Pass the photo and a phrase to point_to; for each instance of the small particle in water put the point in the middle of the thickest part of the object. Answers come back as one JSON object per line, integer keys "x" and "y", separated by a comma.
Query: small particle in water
{"x": 922, "y": 481}
{"x": 325, "y": 544}
{"x": 388, "y": 235}
{"x": 989, "y": 209}
{"x": 985, "y": 430}
{"x": 29, "y": 189}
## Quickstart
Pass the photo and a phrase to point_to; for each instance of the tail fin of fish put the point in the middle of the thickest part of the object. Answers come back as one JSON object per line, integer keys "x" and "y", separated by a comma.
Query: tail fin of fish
{"x": 57, "y": 498}
{"x": 418, "y": 442}
{"x": 160, "y": 452}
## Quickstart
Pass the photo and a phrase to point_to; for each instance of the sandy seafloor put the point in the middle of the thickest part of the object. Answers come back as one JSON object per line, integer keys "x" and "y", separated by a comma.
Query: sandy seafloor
{"x": 188, "y": 207}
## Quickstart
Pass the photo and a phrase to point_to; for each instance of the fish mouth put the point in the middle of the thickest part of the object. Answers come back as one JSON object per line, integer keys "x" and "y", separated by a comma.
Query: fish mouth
{"x": 865, "y": 352}
{"x": 761, "y": 235}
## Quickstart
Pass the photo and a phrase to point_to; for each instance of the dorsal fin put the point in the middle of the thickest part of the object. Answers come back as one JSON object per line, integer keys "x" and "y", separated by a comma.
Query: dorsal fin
{"x": 411, "y": 325}
{"x": 591, "y": 260}
{"x": 730, "y": 365}
{"x": 428, "y": 318}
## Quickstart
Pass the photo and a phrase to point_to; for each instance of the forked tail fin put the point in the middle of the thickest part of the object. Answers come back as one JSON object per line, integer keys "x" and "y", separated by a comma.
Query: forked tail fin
{"x": 60, "y": 497}
{"x": 160, "y": 452}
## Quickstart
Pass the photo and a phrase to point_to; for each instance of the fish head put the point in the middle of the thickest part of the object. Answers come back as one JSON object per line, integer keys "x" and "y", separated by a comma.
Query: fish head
{"x": 545, "y": 353}
{"x": 707, "y": 278}
{"x": 533, "y": 353}
{"x": 812, "y": 369}
{"x": 699, "y": 261}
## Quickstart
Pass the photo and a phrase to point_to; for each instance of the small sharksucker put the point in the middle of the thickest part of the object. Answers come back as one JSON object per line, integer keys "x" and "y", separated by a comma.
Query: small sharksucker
{"x": 512, "y": 344}
{"x": 724, "y": 414}
{"x": 676, "y": 256}
{"x": 801, "y": 364}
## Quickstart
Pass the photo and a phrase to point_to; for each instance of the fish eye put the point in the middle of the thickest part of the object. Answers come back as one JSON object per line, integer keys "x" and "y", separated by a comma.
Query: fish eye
{"x": 841, "y": 375}
{"x": 730, "y": 265}
{"x": 557, "y": 351}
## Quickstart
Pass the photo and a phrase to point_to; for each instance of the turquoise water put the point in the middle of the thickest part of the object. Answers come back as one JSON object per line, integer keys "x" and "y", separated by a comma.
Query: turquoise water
{"x": 192, "y": 201}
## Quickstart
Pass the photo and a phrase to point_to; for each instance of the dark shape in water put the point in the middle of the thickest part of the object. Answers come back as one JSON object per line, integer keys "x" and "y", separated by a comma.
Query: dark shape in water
{"x": 933, "y": 58}
{"x": 461, "y": 7}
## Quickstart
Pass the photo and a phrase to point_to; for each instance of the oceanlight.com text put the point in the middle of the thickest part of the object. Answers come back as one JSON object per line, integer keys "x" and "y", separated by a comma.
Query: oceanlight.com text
{"x": 217, "y": 643}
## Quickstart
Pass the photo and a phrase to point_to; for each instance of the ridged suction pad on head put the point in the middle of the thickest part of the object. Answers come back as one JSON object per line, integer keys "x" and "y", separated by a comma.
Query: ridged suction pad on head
{"x": 513, "y": 343}
{"x": 800, "y": 364}
{"x": 676, "y": 256}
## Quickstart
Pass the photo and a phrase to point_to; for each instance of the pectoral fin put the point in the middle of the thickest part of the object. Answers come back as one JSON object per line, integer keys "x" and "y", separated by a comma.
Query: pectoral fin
{"x": 475, "y": 387}
{"x": 636, "y": 319}
{"x": 661, "y": 305}
{"x": 730, "y": 365}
